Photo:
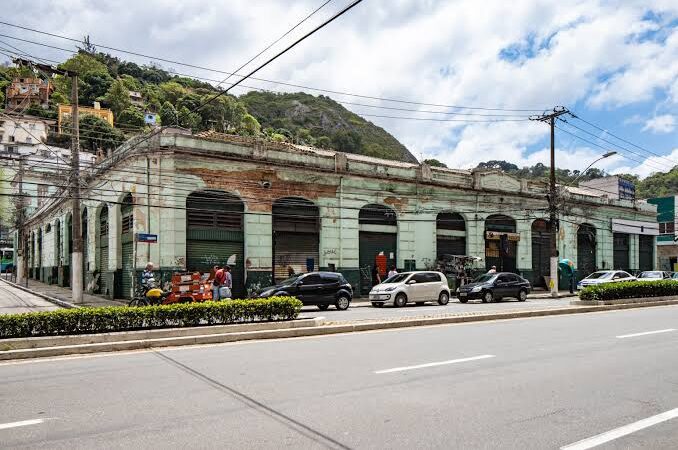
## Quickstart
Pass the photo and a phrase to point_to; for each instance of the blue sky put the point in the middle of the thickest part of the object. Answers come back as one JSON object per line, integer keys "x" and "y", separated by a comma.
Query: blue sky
{"x": 615, "y": 63}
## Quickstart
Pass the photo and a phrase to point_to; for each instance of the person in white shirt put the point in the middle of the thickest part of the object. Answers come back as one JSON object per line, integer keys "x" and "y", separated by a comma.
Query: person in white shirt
{"x": 492, "y": 270}
{"x": 392, "y": 272}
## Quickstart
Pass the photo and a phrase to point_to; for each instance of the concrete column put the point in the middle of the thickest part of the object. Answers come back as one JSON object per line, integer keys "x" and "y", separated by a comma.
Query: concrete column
{"x": 634, "y": 252}
{"x": 604, "y": 252}
{"x": 524, "y": 260}
{"x": 475, "y": 236}
{"x": 114, "y": 243}
{"x": 258, "y": 249}
{"x": 406, "y": 237}
{"x": 330, "y": 241}
{"x": 425, "y": 240}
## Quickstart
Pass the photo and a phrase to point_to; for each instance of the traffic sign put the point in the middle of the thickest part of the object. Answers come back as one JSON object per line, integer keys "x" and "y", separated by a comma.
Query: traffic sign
{"x": 147, "y": 238}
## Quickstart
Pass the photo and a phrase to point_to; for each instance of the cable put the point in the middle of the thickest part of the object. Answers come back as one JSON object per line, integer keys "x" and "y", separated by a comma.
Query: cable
{"x": 258, "y": 79}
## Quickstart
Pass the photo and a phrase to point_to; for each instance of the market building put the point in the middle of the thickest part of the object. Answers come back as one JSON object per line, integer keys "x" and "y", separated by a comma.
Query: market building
{"x": 273, "y": 209}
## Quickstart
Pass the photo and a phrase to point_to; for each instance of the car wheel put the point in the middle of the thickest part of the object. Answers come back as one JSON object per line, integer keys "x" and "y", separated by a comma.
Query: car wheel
{"x": 400, "y": 300}
{"x": 342, "y": 303}
{"x": 522, "y": 295}
{"x": 488, "y": 297}
{"x": 443, "y": 298}
{"x": 323, "y": 307}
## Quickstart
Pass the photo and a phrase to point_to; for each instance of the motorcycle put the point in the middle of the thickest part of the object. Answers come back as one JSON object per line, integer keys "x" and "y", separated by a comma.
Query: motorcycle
{"x": 149, "y": 294}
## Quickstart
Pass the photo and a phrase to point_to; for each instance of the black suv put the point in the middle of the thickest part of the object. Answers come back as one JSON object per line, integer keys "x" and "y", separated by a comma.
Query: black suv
{"x": 314, "y": 288}
{"x": 495, "y": 286}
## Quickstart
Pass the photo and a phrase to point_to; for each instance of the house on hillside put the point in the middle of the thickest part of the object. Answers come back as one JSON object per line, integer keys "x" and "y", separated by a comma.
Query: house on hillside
{"x": 65, "y": 112}
{"x": 27, "y": 91}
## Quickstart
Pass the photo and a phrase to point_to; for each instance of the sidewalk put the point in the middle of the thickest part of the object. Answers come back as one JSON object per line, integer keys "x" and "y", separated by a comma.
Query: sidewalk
{"x": 64, "y": 294}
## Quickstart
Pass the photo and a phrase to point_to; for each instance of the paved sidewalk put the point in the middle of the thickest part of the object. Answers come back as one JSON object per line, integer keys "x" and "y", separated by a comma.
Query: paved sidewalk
{"x": 65, "y": 294}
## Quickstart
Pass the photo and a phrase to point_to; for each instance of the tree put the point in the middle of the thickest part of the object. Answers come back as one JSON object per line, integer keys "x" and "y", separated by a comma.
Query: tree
{"x": 87, "y": 46}
{"x": 131, "y": 83}
{"x": 497, "y": 164}
{"x": 168, "y": 115}
{"x": 323, "y": 142}
{"x": 249, "y": 126}
{"x": 131, "y": 117}
{"x": 347, "y": 141}
{"x": 188, "y": 119}
{"x": 117, "y": 97}
{"x": 434, "y": 163}
{"x": 92, "y": 87}
{"x": 172, "y": 91}
{"x": 84, "y": 64}
{"x": 97, "y": 134}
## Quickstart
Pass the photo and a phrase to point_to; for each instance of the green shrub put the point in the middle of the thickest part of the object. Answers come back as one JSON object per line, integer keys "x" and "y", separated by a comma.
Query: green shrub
{"x": 631, "y": 289}
{"x": 122, "y": 318}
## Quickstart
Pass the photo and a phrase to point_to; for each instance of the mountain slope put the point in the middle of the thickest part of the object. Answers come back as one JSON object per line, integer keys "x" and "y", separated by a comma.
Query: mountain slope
{"x": 323, "y": 122}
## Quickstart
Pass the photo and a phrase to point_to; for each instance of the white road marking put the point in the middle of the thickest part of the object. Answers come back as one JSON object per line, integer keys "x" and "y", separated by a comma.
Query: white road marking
{"x": 622, "y": 431}
{"x": 434, "y": 364}
{"x": 23, "y": 423}
{"x": 624, "y": 336}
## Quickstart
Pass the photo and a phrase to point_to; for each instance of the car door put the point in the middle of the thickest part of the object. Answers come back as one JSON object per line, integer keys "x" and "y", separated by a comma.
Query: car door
{"x": 310, "y": 288}
{"x": 502, "y": 287}
{"x": 330, "y": 286}
{"x": 434, "y": 284}
{"x": 418, "y": 289}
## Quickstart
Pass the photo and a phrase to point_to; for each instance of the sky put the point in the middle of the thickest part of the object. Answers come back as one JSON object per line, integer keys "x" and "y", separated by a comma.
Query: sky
{"x": 467, "y": 75}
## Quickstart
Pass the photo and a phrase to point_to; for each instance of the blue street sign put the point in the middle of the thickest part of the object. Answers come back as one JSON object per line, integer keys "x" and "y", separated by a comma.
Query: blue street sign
{"x": 148, "y": 238}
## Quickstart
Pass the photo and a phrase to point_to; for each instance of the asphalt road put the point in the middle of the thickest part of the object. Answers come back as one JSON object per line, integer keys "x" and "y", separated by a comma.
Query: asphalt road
{"x": 13, "y": 300}
{"x": 365, "y": 311}
{"x": 525, "y": 384}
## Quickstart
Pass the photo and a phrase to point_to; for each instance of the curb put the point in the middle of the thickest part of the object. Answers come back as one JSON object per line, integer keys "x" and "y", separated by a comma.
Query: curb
{"x": 622, "y": 301}
{"x": 320, "y": 328}
{"x": 56, "y": 301}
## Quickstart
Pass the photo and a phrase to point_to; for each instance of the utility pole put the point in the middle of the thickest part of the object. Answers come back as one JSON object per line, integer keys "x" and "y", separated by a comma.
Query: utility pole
{"x": 21, "y": 258}
{"x": 76, "y": 257}
{"x": 552, "y": 197}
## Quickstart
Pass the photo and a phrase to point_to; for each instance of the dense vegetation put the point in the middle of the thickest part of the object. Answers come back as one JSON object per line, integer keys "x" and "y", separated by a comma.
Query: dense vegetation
{"x": 632, "y": 289}
{"x": 297, "y": 117}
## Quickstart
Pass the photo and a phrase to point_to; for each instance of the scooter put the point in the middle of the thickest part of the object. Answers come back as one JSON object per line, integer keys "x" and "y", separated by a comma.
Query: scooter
{"x": 149, "y": 294}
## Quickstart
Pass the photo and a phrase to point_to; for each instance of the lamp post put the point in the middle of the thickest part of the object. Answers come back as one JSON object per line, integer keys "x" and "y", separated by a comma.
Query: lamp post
{"x": 606, "y": 155}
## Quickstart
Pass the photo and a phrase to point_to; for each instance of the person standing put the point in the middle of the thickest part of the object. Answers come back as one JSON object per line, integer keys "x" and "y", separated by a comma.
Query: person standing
{"x": 227, "y": 282}
{"x": 492, "y": 270}
{"x": 392, "y": 272}
{"x": 376, "y": 278}
{"x": 217, "y": 282}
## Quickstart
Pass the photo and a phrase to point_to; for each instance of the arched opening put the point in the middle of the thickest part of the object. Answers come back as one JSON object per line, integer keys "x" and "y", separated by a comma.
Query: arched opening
{"x": 296, "y": 237}
{"x": 85, "y": 247}
{"x": 450, "y": 235}
{"x": 214, "y": 234}
{"x": 127, "y": 245}
{"x": 620, "y": 256}
{"x": 378, "y": 242}
{"x": 541, "y": 252}
{"x": 102, "y": 257}
{"x": 586, "y": 250}
{"x": 646, "y": 252}
{"x": 501, "y": 243}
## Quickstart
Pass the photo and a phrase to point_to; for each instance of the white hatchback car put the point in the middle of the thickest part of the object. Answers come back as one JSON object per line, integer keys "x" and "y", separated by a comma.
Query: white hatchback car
{"x": 416, "y": 287}
{"x": 606, "y": 276}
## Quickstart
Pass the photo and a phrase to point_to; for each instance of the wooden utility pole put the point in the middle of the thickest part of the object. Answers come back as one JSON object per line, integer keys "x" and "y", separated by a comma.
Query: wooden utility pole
{"x": 76, "y": 258}
{"x": 21, "y": 258}
{"x": 552, "y": 197}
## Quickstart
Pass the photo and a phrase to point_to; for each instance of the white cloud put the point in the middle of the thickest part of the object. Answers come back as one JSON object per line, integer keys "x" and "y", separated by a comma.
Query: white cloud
{"x": 665, "y": 123}
{"x": 651, "y": 165}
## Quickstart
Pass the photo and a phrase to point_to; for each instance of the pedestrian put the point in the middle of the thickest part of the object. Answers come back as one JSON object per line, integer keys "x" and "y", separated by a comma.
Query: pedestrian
{"x": 217, "y": 282}
{"x": 227, "y": 283}
{"x": 573, "y": 281}
{"x": 392, "y": 272}
{"x": 290, "y": 271}
{"x": 492, "y": 270}
{"x": 376, "y": 278}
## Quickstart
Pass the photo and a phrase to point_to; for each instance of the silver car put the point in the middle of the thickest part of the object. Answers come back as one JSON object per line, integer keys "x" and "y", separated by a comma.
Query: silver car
{"x": 606, "y": 276}
{"x": 416, "y": 287}
{"x": 654, "y": 275}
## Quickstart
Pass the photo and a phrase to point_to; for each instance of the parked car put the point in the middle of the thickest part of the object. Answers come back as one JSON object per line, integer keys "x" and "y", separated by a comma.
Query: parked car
{"x": 654, "y": 275}
{"x": 495, "y": 286}
{"x": 315, "y": 288}
{"x": 606, "y": 276}
{"x": 416, "y": 287}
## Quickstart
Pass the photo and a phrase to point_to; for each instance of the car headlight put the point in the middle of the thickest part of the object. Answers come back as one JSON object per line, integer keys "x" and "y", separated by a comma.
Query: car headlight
{"x": 267, "y": 293}
{"x": 477, "y": 289}
{"x": 389, "y": 289}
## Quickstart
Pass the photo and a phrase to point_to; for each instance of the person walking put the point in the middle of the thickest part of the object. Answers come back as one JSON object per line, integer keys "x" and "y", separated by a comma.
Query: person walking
{"x": 217, "y": 282}
{"x": 392, "y": 272}
{"x": 376, "y": 278}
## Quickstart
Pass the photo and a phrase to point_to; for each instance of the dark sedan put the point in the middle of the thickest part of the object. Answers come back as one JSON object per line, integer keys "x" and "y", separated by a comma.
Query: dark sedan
{"x": 495, "y": 286}
{"x": 316, "y": 288}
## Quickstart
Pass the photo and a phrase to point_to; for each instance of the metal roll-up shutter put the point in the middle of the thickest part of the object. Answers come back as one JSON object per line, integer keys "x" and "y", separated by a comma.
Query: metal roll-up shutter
{"x": 646, "y": 252}
{"x": 209, "y": 247}
{"x": 371, "y": 245}
{"x": 127, "y": 266}
{"x": 104, "y": 288}
{"x": 541, "y": 256}
{"x": 586, "y": 254}
{"x": 449, "y": 245}
{"x": 295, "y": 252}
{"x": 621, "y": 251}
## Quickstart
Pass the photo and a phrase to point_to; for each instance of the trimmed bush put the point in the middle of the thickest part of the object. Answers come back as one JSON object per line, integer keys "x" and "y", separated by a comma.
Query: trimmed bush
{"x": 125, "y": 318}
{"x": 630, "y": 289}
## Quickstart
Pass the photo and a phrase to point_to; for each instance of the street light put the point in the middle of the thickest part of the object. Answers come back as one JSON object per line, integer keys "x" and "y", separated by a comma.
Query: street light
{"x": 583, "y": 172}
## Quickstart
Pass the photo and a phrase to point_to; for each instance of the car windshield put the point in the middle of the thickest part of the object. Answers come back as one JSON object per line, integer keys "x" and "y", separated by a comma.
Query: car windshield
{"x": 399, "y": 278}
{"x": 651, "y": 275}
{"x": 288, "y": 281}
{"x": 597, "y": 275}
{"x": 485, "y": 278}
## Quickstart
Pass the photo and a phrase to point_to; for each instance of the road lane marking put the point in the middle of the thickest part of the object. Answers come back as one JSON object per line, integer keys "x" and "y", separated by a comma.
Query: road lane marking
{"x": 433, "y": 364}
{"x": 23, "y": 423}
{"x": 624, "y": 336}
{"x": 622, "y": 431}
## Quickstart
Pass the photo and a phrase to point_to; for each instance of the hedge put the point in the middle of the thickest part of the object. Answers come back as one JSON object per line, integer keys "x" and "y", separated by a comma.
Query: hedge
{"x": 630, "y": 289}
{"x": 125, "y": 318}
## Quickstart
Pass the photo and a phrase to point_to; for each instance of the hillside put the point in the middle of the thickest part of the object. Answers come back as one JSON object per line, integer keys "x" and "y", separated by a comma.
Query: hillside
{"x": 321, "y": 121}
{"x": 178, "y": 100}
